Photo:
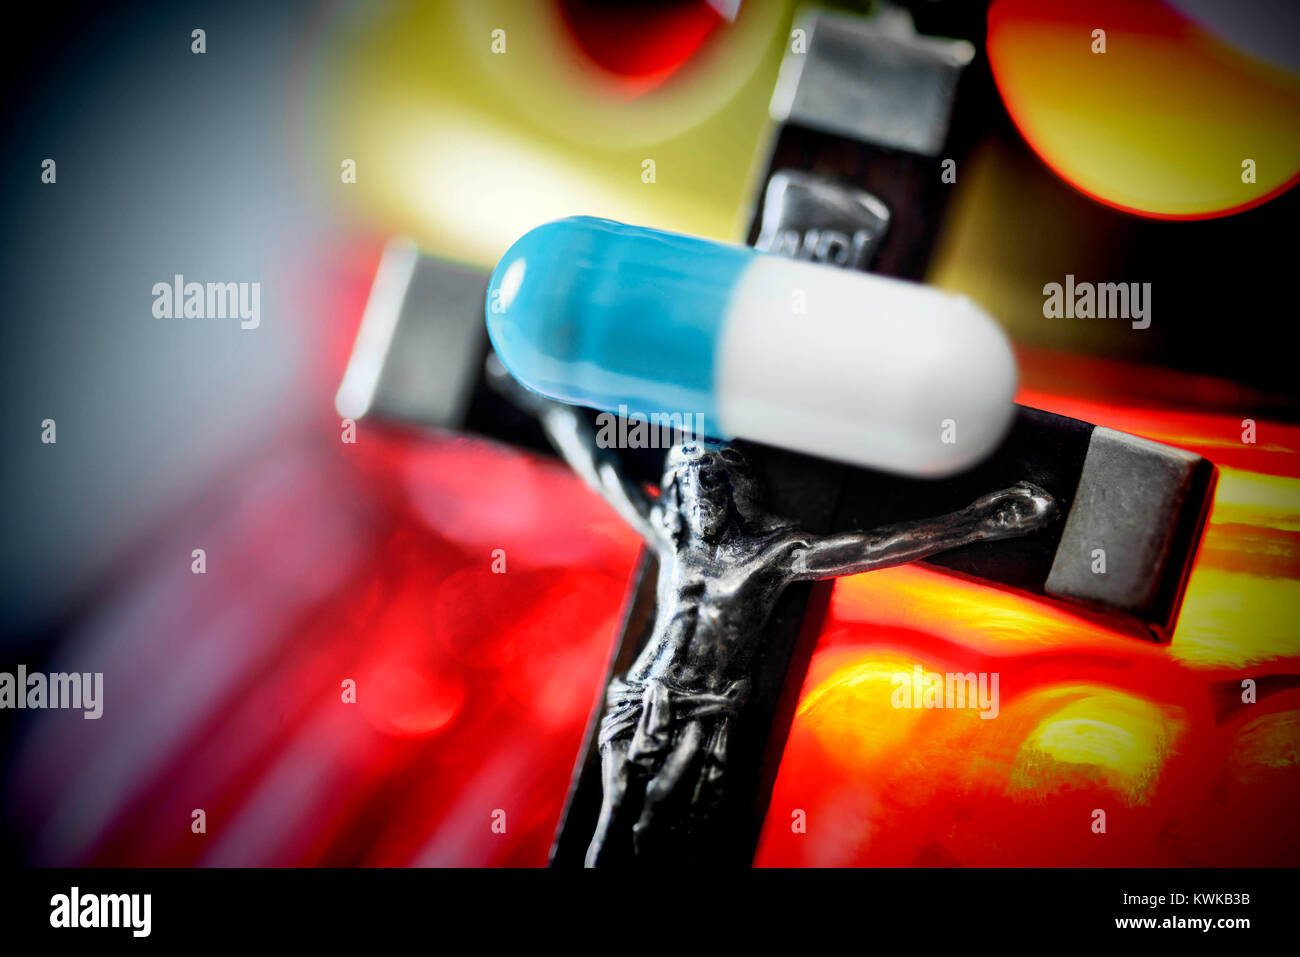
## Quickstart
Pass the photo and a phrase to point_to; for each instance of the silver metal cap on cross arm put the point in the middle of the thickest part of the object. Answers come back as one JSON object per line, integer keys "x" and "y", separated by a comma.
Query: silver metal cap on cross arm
{"x": 875, "y": 80}
{"x": 420, "y": 347}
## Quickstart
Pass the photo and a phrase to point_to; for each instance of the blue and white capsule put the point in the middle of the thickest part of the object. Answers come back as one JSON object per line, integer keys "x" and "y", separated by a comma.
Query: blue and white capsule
{"x": 874, "y": 371}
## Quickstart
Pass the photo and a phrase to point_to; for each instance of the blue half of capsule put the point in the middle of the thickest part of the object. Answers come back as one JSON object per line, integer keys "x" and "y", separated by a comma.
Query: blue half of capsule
{"x": 598, "y": 313}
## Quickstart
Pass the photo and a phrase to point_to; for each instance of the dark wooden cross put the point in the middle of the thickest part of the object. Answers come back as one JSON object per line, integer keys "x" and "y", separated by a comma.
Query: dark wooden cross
{"x": 855, "y": 180}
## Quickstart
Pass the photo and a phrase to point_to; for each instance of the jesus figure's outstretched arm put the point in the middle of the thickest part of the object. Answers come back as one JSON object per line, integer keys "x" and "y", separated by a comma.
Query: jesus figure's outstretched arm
{"x": 1015, "y": 511}
{"x": 572, "y": 436}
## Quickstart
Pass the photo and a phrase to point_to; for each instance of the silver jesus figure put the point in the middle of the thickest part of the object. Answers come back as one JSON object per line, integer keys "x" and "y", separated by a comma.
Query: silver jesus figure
{"x": 723, "y": 563}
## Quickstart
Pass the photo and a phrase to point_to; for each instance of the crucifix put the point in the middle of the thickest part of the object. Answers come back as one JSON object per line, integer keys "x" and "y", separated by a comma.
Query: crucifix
{"x": 719, "y": 628}
{"x": 724, "y": 560}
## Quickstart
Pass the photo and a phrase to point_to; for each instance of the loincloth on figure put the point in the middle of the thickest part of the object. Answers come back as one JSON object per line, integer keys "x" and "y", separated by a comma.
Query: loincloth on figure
{"x": 652, "y": 716}
{"x": 660, "y": 746}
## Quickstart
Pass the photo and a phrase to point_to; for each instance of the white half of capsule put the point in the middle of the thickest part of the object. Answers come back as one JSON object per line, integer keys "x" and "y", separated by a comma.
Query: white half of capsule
{"x": 879, "y": 372}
